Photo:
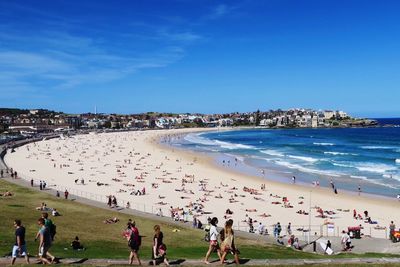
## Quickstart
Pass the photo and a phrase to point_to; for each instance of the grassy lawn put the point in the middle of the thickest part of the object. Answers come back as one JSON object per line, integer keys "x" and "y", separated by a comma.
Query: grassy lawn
{"x": 105, "y": 241}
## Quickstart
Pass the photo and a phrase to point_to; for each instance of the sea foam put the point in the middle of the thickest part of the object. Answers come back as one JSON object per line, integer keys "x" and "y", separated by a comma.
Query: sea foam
{"x": 272, "y": 153}
{"x": 198, "y": 139}
{"x": 375, "y": 168}
{"x": 378, "y": 147}
{"x": 308, "y": 159}
{"x": 337, "y": 153}
{"x": 323, "y": 144}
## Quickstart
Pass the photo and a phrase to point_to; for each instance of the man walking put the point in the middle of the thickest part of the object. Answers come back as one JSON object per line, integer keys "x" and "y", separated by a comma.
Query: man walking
{"x": 45, "y": 242}
{"x": 392, "y": 228}
{"x": 49, "y": 225}
{"x": 19, "y": 248}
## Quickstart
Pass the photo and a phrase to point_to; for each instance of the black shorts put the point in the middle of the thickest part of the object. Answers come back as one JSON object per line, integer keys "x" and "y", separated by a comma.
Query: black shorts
{"x": 134, "y": 248}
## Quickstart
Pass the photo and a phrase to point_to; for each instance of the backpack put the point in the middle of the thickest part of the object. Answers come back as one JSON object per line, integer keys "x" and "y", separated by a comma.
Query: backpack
{"x": 207, "y": 236}
{"x": 52, "y": 228}
{"x": 134, "y": 239}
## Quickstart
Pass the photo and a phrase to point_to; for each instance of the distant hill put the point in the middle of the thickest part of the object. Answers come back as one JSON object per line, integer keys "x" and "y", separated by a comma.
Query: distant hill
{"x": 13, "y": 111}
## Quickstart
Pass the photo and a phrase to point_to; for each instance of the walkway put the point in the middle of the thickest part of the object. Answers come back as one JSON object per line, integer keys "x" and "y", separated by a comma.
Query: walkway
{"x": 327, "y": 262}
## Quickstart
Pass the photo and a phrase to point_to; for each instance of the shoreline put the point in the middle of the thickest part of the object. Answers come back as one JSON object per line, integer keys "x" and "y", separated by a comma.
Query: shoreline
{"x": 102, "y": 156}
{"x": 211, "y": 159}
{"x": 251, "y": 163}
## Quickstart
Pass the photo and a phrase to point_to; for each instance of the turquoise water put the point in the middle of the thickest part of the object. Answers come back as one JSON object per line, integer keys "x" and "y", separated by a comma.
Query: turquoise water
{"x": 352, "y": 157}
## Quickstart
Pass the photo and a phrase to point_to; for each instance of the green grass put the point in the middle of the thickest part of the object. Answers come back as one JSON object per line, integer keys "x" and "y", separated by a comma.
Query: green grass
{"x": 106, "y": 241}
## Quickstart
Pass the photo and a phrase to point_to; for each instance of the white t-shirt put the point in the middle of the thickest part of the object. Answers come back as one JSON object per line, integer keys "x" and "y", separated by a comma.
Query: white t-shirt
{"x": 260, "y": 228}
{"x": 213, "y": 233}
{"x": 345, "y": 238}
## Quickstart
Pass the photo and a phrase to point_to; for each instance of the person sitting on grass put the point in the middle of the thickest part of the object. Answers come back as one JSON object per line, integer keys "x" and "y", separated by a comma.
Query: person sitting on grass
{"x": 42, "y": 207}
{"x": 7, "y": 194}
{"x": 111, "y": 220}
{"x": 76, "y": 244}
{"x": 55, "y": 213}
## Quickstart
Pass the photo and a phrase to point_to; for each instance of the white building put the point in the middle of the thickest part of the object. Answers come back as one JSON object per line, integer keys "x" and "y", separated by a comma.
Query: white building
{"x": 329, "y": 114}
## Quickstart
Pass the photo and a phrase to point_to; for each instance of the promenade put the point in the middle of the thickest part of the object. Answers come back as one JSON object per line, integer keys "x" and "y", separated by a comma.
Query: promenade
{"x": 266, "y": 262}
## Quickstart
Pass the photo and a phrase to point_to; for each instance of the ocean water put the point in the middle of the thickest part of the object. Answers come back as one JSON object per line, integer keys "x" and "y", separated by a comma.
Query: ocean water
{"x": 352, "y": 157}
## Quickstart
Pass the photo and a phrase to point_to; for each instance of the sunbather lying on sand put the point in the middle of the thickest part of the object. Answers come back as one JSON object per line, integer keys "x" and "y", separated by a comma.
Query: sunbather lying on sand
{"x": 251, "y": 210}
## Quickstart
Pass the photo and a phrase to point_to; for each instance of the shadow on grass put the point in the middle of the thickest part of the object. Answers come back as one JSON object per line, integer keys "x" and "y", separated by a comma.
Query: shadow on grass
{"x": 79, "y": 261}
{"x": 177, "y": 262}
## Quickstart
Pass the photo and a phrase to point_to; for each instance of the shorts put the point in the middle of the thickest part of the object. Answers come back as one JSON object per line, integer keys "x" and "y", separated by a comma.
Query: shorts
{"x": 16, "y": 251}
{"x": 43, "y": 251}
{"x": 134, "y": 248}
{"x": 214, "y": 243}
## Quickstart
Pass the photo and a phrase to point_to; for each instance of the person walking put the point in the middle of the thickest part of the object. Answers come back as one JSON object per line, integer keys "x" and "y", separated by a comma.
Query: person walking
{"x": 44, "y": 242}
{"x": 114, "y": 202}
{"x": 213, "y": 237}
{"x": 279, "y": 229}
{"x": 31, "y": 182}
{"x": 19, "y": 248}
{"x": 49, "y": 224}
{"x": 1, "y": 173}
{"x": 392, "y": 228}
{"x": 133, "y": 242}
{"x": 345, "y": 240}
{"x": 228, "y": 242}
{"x": 289, "y": 229}
{"x": 66, "y": 193}
{"x": 109, "y": 202}
{"x": 159, "y": 249}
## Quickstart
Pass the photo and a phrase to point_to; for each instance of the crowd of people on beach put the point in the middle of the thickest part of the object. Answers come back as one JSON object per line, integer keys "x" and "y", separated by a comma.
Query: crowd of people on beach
{"x": 197, "y": 197}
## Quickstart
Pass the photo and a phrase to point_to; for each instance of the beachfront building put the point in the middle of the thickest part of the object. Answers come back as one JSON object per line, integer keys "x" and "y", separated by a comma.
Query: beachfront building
{"x": 314, "y": 122}
{"x": 341, "y": 114}
{"x": 34, "y": 128}
{"x": 329, "y": 114}
{"x": 225, "y": 122}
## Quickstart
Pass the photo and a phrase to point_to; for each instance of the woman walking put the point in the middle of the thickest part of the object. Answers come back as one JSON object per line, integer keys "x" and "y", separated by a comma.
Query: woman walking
{"x": 228, "y": 242}
{"x": 159, "y": 251}
{"x": 213, "y": 240}
{"x": 133, "y": 237}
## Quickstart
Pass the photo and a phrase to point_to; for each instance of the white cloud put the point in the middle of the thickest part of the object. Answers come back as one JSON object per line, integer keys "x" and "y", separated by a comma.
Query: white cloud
{"x": 31, "y": 62}
{"x": 62, "y": 60}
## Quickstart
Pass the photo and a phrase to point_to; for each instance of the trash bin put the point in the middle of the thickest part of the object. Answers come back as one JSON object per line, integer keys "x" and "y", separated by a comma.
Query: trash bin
{"x": 355, "y": 232}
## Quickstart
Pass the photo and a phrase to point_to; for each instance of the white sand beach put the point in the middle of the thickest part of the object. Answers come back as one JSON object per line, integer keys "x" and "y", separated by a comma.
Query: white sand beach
{"x": 121, "y": 163}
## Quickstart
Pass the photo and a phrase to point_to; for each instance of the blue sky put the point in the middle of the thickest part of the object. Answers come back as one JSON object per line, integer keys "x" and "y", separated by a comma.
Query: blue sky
{"x": 203, "y": 56}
